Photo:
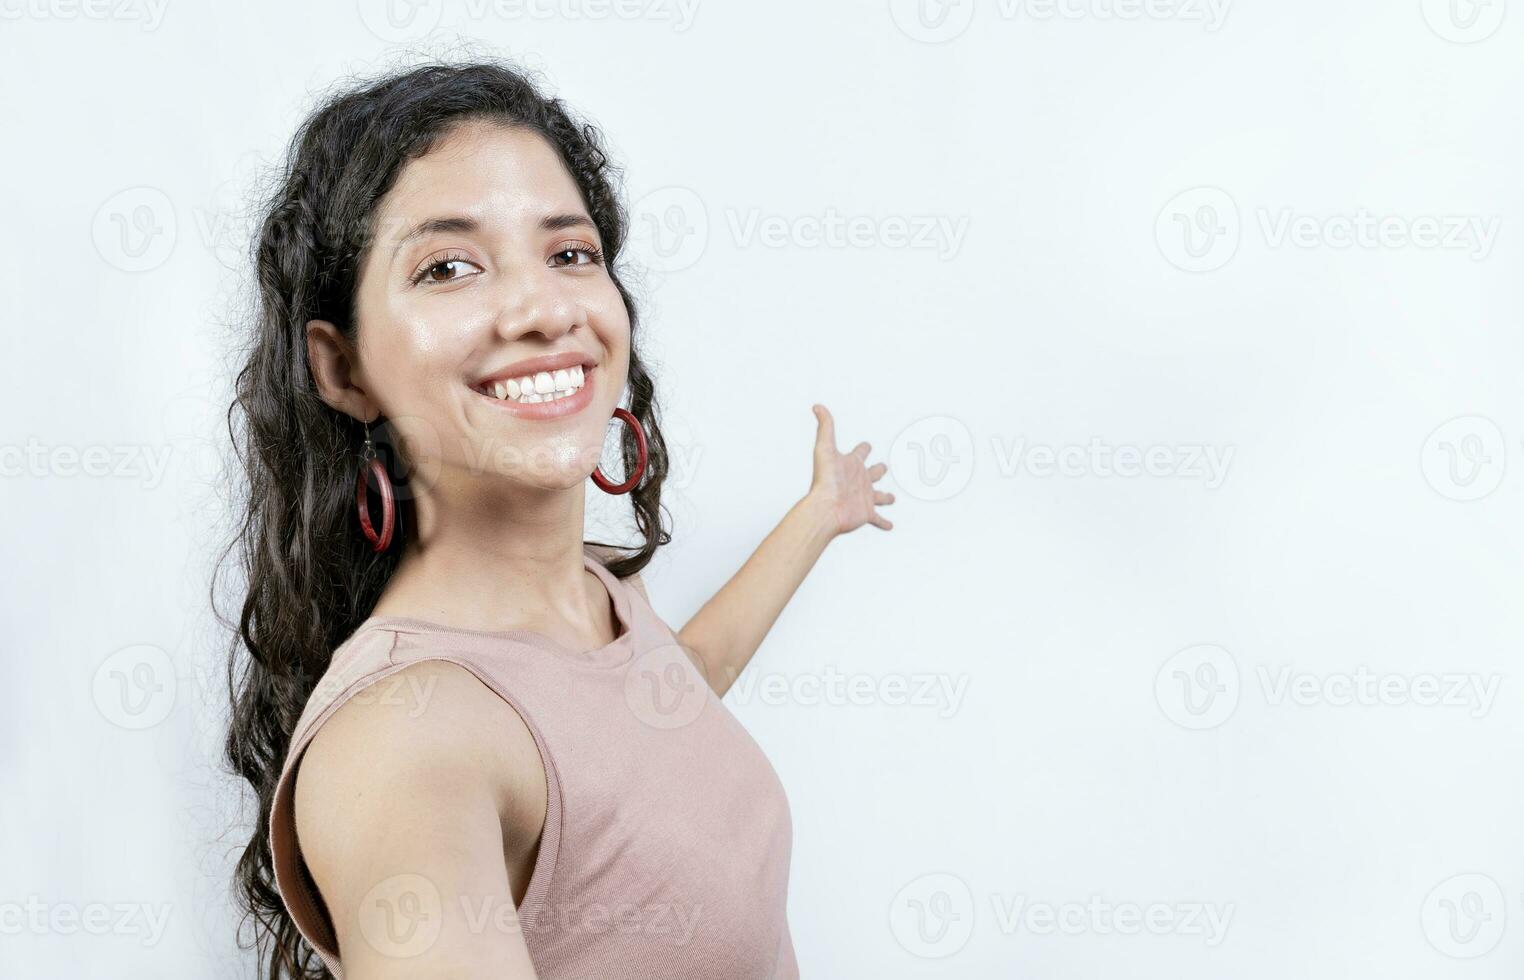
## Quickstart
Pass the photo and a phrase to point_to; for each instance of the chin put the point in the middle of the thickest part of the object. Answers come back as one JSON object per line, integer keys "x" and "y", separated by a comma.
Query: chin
{"x": 560, "y": 467}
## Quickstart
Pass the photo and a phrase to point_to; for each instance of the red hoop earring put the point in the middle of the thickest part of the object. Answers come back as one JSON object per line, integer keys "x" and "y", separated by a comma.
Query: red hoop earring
{"x": 372, "y": 465}
{"x": 607, "y": 485}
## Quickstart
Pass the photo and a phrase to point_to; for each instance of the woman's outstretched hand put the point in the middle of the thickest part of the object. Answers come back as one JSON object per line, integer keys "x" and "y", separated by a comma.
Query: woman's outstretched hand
{"x": 843, "y": 483}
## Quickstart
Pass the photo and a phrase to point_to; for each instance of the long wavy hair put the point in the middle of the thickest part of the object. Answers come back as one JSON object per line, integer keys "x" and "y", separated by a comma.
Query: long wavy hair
{"x": 310, "y": 578}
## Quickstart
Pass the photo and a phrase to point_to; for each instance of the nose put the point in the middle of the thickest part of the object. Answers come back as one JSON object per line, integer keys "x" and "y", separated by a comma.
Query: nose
{"x": 534, "y": 301}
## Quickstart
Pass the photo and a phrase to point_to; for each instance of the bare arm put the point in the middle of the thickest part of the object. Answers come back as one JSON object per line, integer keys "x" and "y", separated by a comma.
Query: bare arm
{"x": 400, "y": 805}
{"x": 727, "y": 630}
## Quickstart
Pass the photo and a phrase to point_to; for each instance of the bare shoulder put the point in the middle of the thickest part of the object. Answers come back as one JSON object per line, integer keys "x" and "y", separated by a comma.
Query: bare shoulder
{"x": 415, "y": 792}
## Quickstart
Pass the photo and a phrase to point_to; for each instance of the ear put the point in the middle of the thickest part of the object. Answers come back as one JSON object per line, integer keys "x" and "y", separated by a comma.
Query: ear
{"x": 336, "y": 371}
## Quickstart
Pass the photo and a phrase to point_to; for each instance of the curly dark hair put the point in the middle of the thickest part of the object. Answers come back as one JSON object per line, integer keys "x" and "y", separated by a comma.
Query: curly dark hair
{"x": 310, "y": 577}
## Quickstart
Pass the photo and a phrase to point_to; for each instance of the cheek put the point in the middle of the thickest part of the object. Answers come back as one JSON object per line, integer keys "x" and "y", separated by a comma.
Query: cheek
{"x": 610, "y": 321}
{"x": 424, "y": 341}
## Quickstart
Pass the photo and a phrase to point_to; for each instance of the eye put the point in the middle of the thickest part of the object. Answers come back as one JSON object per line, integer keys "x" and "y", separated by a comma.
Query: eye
{"x": 576, "y": 253}
{"x": 446, "y": 268}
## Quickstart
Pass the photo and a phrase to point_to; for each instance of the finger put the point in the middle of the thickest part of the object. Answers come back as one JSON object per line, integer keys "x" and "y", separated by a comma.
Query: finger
{"x": 825, "y": 432}
{"x": 861, "y": 451}
{"x": 879, "y": 521}
{"x": 877, "y": 470}
{"x": 881, "y": 499}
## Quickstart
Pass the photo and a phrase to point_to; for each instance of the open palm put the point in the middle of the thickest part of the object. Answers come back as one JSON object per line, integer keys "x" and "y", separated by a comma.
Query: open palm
{"x": 843, "y": 480}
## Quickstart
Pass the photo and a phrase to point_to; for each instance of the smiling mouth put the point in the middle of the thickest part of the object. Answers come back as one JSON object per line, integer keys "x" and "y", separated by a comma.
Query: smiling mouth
{"x": 543, "y": 386}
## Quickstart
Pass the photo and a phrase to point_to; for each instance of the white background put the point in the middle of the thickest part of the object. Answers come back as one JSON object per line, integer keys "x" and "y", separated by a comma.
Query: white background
{"x": 1059, "y": 154}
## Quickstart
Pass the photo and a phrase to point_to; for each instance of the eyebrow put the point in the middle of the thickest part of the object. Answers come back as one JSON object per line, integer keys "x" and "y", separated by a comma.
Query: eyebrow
{"x": 560, "y": 222}
{"x": 434, "y": 226}
{"x": 465, "y": 223}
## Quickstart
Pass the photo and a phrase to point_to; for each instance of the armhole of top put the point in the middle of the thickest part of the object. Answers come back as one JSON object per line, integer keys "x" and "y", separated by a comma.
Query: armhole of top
{"x": 605, "y": 555}
{"x": 294, "y": 881}
{"x": 639, "y": 586}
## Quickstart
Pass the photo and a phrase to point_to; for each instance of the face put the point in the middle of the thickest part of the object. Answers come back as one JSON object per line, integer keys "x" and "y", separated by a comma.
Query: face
{"x": 490, "y": 331}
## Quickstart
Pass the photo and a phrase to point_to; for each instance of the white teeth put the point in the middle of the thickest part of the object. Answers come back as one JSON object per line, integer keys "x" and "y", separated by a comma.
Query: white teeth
{"x": 542, "y": 387}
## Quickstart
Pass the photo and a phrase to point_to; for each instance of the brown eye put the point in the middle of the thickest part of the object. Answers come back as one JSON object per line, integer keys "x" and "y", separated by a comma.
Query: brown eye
{"x": 445, "y": 270}
{"x": 579, "y": 253}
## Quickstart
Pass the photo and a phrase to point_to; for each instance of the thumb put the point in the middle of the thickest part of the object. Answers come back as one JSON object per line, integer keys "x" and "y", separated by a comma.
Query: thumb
{"x": 825, "y": 434}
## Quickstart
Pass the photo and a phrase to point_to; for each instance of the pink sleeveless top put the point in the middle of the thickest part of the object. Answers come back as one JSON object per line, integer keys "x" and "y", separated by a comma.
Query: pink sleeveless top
{"x": 667, "y": 836}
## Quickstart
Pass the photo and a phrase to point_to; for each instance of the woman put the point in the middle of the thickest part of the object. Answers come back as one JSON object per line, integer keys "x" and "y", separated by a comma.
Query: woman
{"x": 478, "y": 750}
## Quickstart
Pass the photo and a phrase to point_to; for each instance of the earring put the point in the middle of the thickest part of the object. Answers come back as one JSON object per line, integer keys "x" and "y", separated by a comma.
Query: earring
{"x": 607, "y": 485}
{"x": 370, "y": 464}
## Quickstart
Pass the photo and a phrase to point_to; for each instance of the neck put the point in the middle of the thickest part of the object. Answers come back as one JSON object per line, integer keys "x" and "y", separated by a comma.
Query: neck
{"x": 490, "y": 555}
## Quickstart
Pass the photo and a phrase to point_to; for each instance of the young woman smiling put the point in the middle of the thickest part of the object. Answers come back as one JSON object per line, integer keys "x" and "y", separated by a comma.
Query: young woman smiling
{"x": 478, "y": 750}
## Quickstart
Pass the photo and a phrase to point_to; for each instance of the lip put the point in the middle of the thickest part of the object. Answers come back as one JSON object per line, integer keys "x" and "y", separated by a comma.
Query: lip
{"x": 561, "y": 407}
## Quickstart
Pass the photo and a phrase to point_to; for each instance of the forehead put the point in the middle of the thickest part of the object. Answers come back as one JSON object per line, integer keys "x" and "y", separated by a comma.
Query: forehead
{"x": 495, "y": 173}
